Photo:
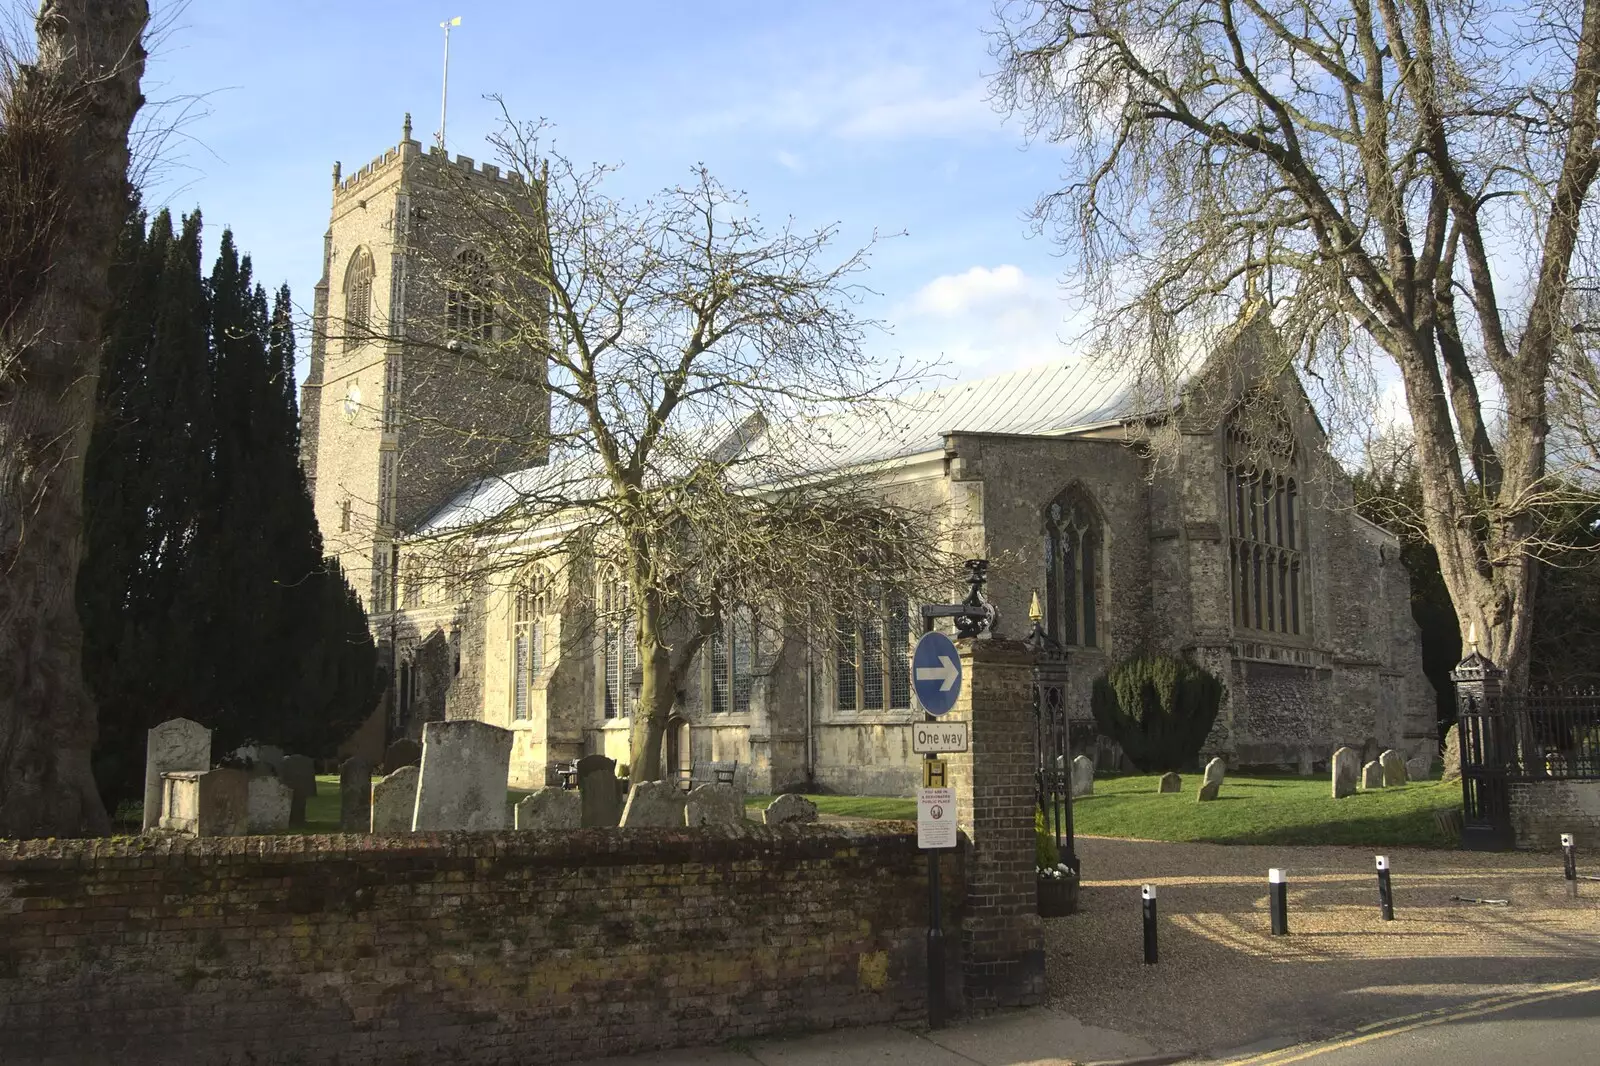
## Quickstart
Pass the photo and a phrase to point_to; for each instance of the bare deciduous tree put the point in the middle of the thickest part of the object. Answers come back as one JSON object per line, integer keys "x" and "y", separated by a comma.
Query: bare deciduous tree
{"x": 64, "y": 122}
{"x": 688, "y": 366}
{"x": 1404, "y": 179}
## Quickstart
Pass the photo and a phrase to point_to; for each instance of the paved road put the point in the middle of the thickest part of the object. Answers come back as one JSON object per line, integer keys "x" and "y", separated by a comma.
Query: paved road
{"x": 1552, "y": 1028}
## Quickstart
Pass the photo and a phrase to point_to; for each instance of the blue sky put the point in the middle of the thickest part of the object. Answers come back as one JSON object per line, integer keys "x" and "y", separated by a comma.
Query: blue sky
{"x": 872, "y": 115}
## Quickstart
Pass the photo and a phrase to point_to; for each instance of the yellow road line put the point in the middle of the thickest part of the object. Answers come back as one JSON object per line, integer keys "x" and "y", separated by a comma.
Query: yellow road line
{"x": 1422, "y": 1020}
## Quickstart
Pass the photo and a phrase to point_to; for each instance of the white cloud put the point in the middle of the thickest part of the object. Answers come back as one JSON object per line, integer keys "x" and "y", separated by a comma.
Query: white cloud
{"x": 789, "y": 161}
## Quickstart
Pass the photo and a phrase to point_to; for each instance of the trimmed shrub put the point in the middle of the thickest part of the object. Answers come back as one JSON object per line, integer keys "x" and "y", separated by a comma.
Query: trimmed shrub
{"x": 1159, "y": 708}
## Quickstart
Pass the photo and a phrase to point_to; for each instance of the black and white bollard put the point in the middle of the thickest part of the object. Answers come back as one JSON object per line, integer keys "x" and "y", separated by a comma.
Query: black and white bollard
{"x": 1148, "y": 894}
{"x": 1385, "y": 891}
{"x": 1279, "y": 896}
{"x": 1569, "y": 863}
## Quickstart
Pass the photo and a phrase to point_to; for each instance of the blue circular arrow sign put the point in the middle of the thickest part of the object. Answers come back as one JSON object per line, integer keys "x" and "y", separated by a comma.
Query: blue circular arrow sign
{"x": 936, "y": 673}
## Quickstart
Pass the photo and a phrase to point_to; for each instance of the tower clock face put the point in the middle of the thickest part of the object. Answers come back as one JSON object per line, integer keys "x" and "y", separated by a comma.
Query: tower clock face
{"x": 352, "y": 402}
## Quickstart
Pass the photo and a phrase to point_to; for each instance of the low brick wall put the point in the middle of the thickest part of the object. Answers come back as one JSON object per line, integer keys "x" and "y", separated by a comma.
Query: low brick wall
{"x": 1542, "y": 810}
{"x": 452, "y": 948}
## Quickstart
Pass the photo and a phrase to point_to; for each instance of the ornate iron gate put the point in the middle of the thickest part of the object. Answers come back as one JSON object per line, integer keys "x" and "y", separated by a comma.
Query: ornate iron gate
{"x": 1052, "y": 744}
{"x": 1487, "y": 751}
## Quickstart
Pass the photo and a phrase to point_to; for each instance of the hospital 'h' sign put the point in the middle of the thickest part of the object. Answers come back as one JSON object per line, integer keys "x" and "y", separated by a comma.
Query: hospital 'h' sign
{"x": 936, "y": 673}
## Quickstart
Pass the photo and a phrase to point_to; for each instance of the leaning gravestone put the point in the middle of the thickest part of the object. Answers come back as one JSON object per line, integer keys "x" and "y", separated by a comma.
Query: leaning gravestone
{"x": 1170, "y": 782}
{"x": 1212, "y": 782}
{"x": 403, "y": 752}
{"x": 655, "y": 803}
{"x": 789, "y": 808}
{"x": 1371, "y": 776}
{"x": 1394, "y": 768}
{"x": 1346, "y": 767}
{"x": 206, "y": 803}
{"x": 597, "y": 783}
{"x": 549, "y": 808}
{"x": 355, "y": 795}
{"x": 300, "y": 774}
{"x": 1082, "y": 776}
{"x": 268, "y": 803}
{"x": 465, "y": 765}
{"x": 715, "y": 804}
{"x": 1452, "y": 753}
{"x": 394, "y": 801}
{"x": 178, "y": 744}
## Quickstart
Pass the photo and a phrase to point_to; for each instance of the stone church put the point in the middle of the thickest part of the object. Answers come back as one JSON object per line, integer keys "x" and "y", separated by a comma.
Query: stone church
{"x": 1247, "y": 558}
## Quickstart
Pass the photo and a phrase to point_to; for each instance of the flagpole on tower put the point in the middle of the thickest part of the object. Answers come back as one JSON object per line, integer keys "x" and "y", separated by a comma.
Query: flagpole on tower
{"x": 444, "y": 100}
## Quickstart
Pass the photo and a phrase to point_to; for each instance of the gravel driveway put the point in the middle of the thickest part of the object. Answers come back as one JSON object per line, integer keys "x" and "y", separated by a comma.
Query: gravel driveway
{"x": 1224, "y": 983}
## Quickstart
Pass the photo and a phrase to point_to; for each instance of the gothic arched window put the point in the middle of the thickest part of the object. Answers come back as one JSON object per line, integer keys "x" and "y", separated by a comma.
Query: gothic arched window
{"x": 872, "y": 655}
{"x": 468, "y": 313}
{"x": 1266, "y": 537}
{"x": 1074, "y": 542}
{"x": 531, "y": 605}
{"x": 619, "y": 651}
{"x": 732, "y": 662}
{"x": 358, "y": 297}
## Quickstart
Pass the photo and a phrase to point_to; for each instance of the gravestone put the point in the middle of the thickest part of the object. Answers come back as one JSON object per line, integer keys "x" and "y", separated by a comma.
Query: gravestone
{"x": 597, "y": 783}
{"x": 786, "y": 809}
{"x": 1452, "y": 754}
{"x": 268, "y": 802}
{"x": 465, "y": 765}
{"x": 1211, "y": 784}
{"x": 1082, "y": 776}
{"x": 1346, "y": 767}
{"x": 300, "y": 774}
{"x": 355, "y": 795}
{"x": 655, "y": 803}
{"x": 206, "y": 803}
{"x": 1394, "y": 768}
{"x": 715, "y": 804}
{"x": 403, "y": 752}
{"x": 1306, "y": 767}
{"x": 1371, "y": 776}
{"x": 1420, "y": 768}
{"x": 178, "y": 744}
{"x": 1170, "y": 782}
{"x": 549, "y": 808}
{"x": 394, "y": 801}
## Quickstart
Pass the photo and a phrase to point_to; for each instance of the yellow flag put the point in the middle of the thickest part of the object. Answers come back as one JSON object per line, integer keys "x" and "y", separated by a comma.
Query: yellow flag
{"x": 453, "y": 22}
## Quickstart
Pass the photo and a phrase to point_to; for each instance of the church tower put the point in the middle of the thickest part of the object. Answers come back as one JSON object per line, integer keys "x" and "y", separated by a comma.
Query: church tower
{"x": 394, "y": 412}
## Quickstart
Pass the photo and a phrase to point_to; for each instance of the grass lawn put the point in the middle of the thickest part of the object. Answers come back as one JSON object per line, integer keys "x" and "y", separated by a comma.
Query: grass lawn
{"x": 1266, "y": 810}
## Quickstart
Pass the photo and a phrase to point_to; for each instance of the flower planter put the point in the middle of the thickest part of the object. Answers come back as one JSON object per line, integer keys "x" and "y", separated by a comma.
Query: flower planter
{"x": 1058, "y": 896}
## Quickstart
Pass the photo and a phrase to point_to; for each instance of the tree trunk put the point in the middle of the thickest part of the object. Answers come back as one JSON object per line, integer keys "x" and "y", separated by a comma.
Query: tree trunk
{"x": 90, "y": 60}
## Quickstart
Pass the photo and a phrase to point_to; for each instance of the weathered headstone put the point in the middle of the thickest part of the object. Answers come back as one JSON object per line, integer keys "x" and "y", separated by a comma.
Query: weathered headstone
{"x": 789, "y": 808}
{"x": 550, "y": 808}
{"x": 1452, "y": 754}
{"x": 1211, "y": 784}
{"x": 1082, "y": 776}
{"x": 1170, "y": 782}
{"x": 597, "y": 783}
{"x": 1345, "y": 768}
{"x": 268, "y": 802}
{"x": 256, "y": 758}
{"x": 715, "y": 804}
{"x": 206, "y": 803}
{"x": 300, "y": 774}
{"x": 178, "y": 744}
{"x": 1420, "y": 768}
{"x": 655, "y": 803}
{"x": 1306, "y": 767}
{"x": 403, "y": 752}
{"x": 1394, "y": 768}
{"x": 355, "y": 795}
{"x": 1371, "y": 776}
{"x": 394, "y": 801}
{"x": 465, "y": 765}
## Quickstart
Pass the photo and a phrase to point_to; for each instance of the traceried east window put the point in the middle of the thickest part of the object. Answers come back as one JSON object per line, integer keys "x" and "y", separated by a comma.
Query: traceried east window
{"x": 619, "y": 651}
{"x": 872, "y": 657}
{"x": 468, "y": 309}
{"x": 530, "y": 607}
{"x": 732, "y": 662}
{"x": 358, "y": 298}
{"x": 1266, "y": 538}
{"x": 1073, "y": 547}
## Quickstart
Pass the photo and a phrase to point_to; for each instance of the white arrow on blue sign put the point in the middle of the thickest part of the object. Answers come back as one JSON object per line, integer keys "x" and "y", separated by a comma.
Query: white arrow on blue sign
{"x": 936, "y": 673}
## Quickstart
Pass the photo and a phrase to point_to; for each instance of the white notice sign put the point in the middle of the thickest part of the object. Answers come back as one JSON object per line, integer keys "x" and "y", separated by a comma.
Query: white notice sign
{"x": 934, "y": 738}
{"x": 936, "y": 818}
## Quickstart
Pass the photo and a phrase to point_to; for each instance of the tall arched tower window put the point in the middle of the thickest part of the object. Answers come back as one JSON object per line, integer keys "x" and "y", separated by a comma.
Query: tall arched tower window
{"x": 468, "y": 309}
{"x": 1074, "y": 544}
{"x": 1266, "y": 536}
{"x": 619, "y": 651}
{"x": 358, "y": 297}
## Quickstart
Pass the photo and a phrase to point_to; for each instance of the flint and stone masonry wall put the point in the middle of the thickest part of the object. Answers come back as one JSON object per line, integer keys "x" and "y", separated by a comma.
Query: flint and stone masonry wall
{"x": 467, "y": 949}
